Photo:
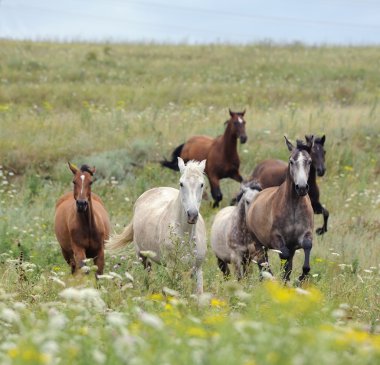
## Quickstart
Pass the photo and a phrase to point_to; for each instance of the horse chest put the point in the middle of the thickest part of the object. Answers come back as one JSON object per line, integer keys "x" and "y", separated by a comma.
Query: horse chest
{"x": 293, "y": 226}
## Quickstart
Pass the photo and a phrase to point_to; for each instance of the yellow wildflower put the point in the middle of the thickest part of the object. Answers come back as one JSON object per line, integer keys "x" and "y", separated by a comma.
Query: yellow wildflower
{"x": 217, "y": 303}
{"x": 196, "y": 332}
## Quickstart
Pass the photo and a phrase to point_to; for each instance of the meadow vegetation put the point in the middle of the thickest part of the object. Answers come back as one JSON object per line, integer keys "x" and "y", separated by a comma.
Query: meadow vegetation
{"x": 122, "y": 108}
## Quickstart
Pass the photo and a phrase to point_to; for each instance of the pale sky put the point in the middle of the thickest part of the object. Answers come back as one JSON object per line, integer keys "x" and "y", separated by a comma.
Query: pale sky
{"x": 339, "y": 22}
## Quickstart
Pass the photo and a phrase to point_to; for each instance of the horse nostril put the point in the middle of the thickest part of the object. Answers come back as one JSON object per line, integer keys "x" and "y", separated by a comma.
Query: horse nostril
{"x": 81, "y": 205}
{"x": 192, "y": 216}
{"x": 307, "y": 187}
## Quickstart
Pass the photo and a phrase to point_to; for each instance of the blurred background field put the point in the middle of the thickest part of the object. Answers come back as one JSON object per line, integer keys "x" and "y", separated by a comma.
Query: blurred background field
{"x": 123, "y": 108}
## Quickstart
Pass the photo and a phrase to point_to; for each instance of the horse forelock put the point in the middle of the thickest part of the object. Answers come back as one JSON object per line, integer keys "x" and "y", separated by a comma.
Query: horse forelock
{"x": 86, "y": 168}
{"x": 302, "y": 146}
{"x": 301, "y": 153}
{"x": 193, "y": 168}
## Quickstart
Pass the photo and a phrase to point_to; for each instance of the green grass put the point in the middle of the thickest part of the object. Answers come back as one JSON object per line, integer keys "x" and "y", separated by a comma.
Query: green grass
{"x": 122, "y": 108}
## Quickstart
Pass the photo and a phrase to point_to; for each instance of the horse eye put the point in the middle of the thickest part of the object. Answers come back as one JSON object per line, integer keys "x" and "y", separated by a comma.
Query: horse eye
{"x": 291, "y": 162}
{"x": 181, "y": 185}
{"x": 202, "y": 185}
{"x": 74, "y": 182}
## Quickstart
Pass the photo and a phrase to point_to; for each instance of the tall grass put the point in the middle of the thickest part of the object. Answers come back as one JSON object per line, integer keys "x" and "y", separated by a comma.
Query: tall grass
{"x": 122, "y": 108}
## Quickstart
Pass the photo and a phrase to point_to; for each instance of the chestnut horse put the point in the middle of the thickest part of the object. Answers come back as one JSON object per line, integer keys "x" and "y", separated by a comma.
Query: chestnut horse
{"x": 281, "y": 217}
{"x": 273, "y": 173}
{"x": 81, "y": 222}
{"x": 221, "y": 154}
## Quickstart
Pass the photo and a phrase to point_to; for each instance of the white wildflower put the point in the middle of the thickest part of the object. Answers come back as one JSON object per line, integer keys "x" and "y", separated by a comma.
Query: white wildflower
{"x": 148, "y": 254}
{"x": 57, "y": 280}
{"x": 99, "y": 356}
{"x": 129, "y": 276}
{"x": 105, "y": 276}
{"x": 116, "y": 275}
{"x": 116, "y": 319}
{"x": 170, "y": 292}
{"x": 151, "y": 320}
{"x": 267, "y": 275}
{"x": 9, "y": 315}
{"x": 302, "y": 291}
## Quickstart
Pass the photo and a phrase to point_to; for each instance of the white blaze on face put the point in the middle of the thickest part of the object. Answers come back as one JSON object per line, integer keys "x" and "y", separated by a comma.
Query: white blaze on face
{"x": 240, "y": 119}
{"x": 300, "y": 177}
{"x": 82, "y": 178}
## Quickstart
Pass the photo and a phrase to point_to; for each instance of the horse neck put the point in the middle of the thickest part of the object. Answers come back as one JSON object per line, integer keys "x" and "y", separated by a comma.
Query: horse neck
{"x": 229, "y": 140}
{"x": 312, "y": 180}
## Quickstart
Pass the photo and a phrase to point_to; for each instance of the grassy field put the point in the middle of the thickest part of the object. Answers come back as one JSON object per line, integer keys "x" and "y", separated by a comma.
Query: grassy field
{"x": 122, "y": 108}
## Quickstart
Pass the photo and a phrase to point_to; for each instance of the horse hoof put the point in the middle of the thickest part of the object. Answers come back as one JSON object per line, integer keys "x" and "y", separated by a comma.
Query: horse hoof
{"x": 320, "y": 231}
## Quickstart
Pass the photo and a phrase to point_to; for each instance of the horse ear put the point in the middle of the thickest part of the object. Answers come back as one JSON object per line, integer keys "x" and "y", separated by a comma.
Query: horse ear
{"x": 309, "y": 141}
{"x": 231, "y": 112}
{"x": 307, "y": 137}
{"x": 181, "y": 165}
{"x": 73, "y": 168}
{"x": 93, "y": 170}
{"x": 289, "y": 144}
{"x": 323, "y": 139}
{"x": 243, "y": 188}
{"x": 202, "y": 165}
{"x": 243, "y": 112}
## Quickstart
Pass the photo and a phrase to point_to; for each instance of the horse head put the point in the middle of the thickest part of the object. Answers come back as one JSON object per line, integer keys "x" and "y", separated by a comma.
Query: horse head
{"x": 191, "y": 187}
{"x": 237, "y": 125}
{"x": 318, "y": 153}
{"x": 82, "y": 181}
{"x": 248, "y": 193}
{"x": 299, "y": 165}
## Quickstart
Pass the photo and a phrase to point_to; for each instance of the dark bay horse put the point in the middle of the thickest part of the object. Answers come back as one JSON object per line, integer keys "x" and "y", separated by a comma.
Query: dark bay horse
{"x": 273, "y": 173}
{"x": 221, "y": 154}
{"x": 281, "y": 217}
{"x": 81, "y": 222}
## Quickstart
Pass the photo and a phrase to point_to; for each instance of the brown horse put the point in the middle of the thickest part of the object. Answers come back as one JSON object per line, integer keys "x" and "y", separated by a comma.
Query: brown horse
{"x": 81, "y": 222}
{"x": 281, "y": 217}
{"x": 273, "y": 173}
{"x": 221, "y": 154}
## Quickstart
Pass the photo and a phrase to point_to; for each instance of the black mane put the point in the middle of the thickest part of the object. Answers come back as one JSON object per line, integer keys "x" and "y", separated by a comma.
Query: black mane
{"x": 302, "y": 146}
{"x": 86, "y": 168}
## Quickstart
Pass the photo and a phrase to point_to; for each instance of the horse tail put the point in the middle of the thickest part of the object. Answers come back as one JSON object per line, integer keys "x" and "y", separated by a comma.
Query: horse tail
{"x": 118, "y": 241}
{"x": 173, "y": 164}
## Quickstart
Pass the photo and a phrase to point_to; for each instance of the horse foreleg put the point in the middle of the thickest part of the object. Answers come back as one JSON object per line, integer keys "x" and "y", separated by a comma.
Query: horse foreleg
{"x": 99, "y": 262}
{"x": 223, "y": 266}
{"x": 236, "y": 176}
{"x": 263, "y": 262}
{"x": 199, "y": 280}
{"x": 146, "y": 263}
{"x": 307, "y": 246}
{"x": 215, "y": 192}
{"x": 319, "y": 209}
{"x": 288, "y": 265}
{"x": 79, "y": 257}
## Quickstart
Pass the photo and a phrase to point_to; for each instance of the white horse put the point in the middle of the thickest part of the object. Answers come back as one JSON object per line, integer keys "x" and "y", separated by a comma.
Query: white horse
{"x": 160, "y": 212}
{"x": 231, "y": 241}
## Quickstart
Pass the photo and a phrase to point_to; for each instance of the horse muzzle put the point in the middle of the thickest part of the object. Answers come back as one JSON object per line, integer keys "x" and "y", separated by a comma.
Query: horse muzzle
{"x": 243, "y": 139}
{"x": 82, "y": 206}
{"x": 192, "y": 216}
{"x": 321, "y": 171}
{"x": 302, "y": 190}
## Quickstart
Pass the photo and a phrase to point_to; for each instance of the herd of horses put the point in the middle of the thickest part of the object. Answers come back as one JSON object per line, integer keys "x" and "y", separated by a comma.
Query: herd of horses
{"x": 273, "y": 210}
